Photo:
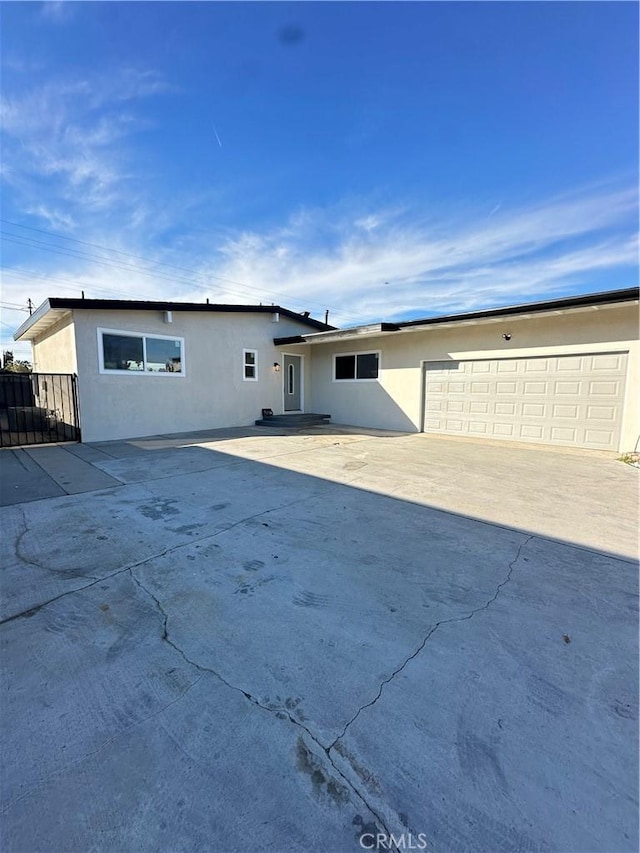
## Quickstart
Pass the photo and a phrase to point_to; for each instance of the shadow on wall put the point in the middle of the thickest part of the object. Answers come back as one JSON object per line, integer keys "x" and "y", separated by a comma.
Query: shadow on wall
{"x": 368, "y": 404}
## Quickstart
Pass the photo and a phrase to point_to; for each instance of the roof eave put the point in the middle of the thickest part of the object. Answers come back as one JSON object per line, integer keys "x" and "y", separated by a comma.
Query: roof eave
{"x": 52, "y": 309}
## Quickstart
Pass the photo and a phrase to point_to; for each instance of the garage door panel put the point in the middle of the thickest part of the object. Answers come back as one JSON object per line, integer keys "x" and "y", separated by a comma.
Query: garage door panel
{"x": 531, "y": 431}
{"x": 536, "y": 365}
{"x": 606, "y": 362}
{"x": 570, "y": 400}
{"x": 601, "y": 413}
{"x": 530, "y": 389}
{"x": 604, "y": 389}
{"x": 565, "y": 410}
{"x": 534, "y": 410}
{"x": 570, "y": 364}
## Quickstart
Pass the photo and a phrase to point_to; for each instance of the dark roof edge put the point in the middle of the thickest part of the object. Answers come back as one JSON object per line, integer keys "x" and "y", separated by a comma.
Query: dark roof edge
{"x": 292, "y": 339}
{"x": 144, "y": 305}
{"x": 628, "y": 294}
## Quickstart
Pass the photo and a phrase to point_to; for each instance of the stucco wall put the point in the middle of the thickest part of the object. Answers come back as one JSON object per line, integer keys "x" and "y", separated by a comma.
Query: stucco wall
{"x": 55, "y": 352}
{"x": 394, "y": 402}
{"x": 212, "y": 394}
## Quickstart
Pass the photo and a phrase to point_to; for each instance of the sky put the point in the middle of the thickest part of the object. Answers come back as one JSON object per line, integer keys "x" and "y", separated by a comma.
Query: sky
{"x": 382, "y": 161}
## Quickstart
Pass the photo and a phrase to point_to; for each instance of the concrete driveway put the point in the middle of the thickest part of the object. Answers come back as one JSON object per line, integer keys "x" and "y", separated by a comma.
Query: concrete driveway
{"x": 251, "y": 640}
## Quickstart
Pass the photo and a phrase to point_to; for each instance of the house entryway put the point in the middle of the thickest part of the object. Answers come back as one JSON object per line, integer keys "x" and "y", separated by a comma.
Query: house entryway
{"x": 292, "y": 383}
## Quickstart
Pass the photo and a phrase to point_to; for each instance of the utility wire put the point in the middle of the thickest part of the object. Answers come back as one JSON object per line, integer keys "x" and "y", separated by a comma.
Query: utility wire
{"x": 68, "y": 284}
{"x": 157, "y": 263}
{"x": 28, "y": 242}
{"x": 12, "y": 308}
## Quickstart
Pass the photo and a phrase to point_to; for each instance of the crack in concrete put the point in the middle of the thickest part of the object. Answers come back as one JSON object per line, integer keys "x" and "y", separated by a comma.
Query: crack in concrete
{"x": 31, "y": 611}
{"x": 279, "y": 712}
{"x": 248, "y": 696}
{"x": 19, "y": 553}
{"x": 430, "y": 633}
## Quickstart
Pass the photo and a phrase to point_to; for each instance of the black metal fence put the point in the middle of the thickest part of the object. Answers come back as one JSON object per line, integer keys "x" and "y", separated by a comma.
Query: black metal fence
{"x": 38, "y": 408}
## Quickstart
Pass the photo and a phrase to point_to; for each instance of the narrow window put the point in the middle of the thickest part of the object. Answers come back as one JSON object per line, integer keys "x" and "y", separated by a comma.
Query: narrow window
{"x": 291, "y": 383}
{"x": 250, "y": 360}
{"x": 367, "y": 365}
{"x": 345, "y": 367}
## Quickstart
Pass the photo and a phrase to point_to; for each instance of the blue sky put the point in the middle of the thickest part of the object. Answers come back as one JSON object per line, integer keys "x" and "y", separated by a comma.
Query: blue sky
{"x": 381, "y": 160}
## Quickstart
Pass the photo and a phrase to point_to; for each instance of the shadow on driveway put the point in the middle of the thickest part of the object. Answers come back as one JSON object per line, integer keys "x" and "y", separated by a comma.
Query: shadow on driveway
{"x": 228, "y": 651}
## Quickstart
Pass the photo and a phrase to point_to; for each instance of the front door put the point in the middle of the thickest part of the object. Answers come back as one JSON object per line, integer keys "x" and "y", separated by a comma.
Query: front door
{"x": 292, "y": 379}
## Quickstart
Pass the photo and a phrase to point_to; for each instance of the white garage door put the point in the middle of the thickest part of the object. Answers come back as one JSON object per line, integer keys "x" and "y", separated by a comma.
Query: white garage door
{"x": 572, "y": 400}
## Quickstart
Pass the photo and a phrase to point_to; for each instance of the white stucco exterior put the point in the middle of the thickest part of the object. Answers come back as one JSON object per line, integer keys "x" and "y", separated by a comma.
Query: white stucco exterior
{"x": 396, "y": 400}
{"x": 211, "y": 394}
{"x": 55, "y": 350}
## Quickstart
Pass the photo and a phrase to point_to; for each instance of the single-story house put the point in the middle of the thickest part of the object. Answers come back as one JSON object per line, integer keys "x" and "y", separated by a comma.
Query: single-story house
{"x": 146, "y": 368}
{"x": 563, "y": 371}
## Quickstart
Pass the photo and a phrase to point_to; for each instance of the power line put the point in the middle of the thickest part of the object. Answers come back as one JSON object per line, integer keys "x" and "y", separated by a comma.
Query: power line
{"x": 145, "y": 259}
{"x": 152, "y": 261}
{"x": 69, "y": 285}
{"x": 8, "y": 307}
{"x": 28, "y": 242}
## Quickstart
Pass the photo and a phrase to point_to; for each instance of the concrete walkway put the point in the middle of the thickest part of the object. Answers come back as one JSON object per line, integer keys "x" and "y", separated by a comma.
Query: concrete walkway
{"x": 284, "y": 642}
{"x": 33, "y": 473}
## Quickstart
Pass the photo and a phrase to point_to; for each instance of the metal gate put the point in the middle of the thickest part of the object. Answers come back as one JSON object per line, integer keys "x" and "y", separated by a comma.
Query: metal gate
{"x": 38, "y": 408}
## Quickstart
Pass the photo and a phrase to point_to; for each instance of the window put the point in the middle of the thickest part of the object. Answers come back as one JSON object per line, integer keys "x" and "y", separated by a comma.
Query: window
{"x": 356, "y": 367}
{"x": 130, "y": 352}
{"x": 250, "y": 360}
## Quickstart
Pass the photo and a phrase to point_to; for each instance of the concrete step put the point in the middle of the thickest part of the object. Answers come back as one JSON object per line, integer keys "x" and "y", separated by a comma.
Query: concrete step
{"x": 303, "y": 419}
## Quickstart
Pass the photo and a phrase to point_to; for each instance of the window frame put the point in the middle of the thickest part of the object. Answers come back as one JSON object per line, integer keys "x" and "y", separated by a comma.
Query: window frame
{"x": 105, "y": 371}
{"x": 246, "y": 378}
{"x": 356, "y": 354}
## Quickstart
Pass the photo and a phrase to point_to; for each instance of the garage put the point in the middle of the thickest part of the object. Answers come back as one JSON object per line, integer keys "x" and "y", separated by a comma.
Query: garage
{"x": 568, "y": 400}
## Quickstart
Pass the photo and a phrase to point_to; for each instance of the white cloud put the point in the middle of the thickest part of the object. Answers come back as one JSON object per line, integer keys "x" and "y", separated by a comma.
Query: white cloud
{"x": 457, "y": 265}
{"x": 325, "y": 259}
{"x": 56, "y": 219}
{"x": 68, "y": 141}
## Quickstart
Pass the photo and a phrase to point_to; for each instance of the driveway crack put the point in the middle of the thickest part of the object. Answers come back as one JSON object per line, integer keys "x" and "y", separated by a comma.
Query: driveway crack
{"x": 22, "y": 557}
{"x": 428, "y": 636}
{"x": 279, "y": 712}
{"x": 31, "y": 611}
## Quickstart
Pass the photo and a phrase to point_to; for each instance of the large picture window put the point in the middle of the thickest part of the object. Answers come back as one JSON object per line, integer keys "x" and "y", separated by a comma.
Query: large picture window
{"x": 130, "y": 352}
{"x": 356, "y": 367}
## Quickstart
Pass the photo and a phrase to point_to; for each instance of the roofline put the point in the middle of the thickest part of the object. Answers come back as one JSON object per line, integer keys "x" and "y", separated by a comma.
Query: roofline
{"x": 608, "y": 297}
{"x": 61, "y": 304}
{"x": 628, "y": 294}
{"x": 371, "y": 329}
